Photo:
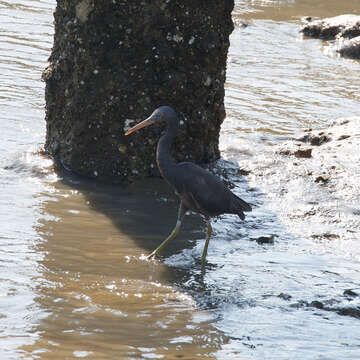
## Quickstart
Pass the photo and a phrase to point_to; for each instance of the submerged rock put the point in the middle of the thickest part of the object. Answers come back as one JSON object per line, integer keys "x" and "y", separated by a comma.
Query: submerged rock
{"x": 315, "y": 138}
{"x": 321, "y": 190}
{"x": 299, "y": 153}
{"x": 324, "y": 178}
{"x": 354, "y": 312}
{"x": 330, "y": 305}
{"x": 269, "y": 239}
{"x": 284, "y": 296}
{"x": 329, "y": 28}
{"x": 328, "y": 236}
{"x": 350, "y": 293}
{"x": 317, "y": 304}
{"x": 343, "y": 29}
{"x": 350, "y": 48}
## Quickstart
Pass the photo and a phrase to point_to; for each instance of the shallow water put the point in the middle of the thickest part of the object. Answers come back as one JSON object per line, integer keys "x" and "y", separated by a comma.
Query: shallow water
{"x": 74, "y": 282}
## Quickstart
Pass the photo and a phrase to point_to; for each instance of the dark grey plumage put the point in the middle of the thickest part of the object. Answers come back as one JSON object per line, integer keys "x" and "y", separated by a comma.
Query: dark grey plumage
{"x": 198, "y": 189}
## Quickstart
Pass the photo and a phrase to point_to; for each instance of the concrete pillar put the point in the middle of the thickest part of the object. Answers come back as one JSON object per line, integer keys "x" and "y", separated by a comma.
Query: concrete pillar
{"x": 114, "y": 61}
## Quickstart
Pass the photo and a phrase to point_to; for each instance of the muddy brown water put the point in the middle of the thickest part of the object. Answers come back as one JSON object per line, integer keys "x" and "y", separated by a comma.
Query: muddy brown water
{"x": 74, "y": 282}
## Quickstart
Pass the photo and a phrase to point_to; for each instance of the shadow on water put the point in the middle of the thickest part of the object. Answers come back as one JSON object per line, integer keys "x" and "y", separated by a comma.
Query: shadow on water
{"x": 145, "y": 212}
{"x": 98, "y": 297}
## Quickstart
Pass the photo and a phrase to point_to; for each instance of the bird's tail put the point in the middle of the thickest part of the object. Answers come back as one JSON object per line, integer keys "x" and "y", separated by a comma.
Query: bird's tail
{"x": 240, "y": 206}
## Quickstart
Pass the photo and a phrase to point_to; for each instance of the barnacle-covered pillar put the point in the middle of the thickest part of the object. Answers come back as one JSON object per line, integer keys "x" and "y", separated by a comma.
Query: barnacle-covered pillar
{"x": 114, "y": 61}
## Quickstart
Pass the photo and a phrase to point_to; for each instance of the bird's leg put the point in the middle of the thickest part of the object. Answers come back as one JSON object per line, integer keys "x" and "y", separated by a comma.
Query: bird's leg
{"x": 208, "y": 235}
{"x": 173, "y": 234}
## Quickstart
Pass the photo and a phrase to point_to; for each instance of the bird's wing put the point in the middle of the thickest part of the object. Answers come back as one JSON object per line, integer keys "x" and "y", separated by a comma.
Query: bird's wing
{"x": 202, "y": 191}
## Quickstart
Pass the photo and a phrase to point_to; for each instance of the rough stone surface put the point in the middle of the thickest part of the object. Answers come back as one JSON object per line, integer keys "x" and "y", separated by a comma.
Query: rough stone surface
{"x": 350, "y": 48}
{"x": 114, "y": 62}
{"x": 344, "y": 29}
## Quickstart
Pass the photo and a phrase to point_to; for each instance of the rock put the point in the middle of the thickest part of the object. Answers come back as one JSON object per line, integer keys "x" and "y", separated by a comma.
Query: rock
{"x": 243, "y": 172}
{"x": 350, "y": 293}
{"x": 324, "y": 178}
{"x": 299, "y": 153}
{"x": 306, "y": 18}
{"x": 299, "y": 304}
{"x": 303, "y": 153}
{"x": 343, "y": 137}
{"x": 284, "y": 296}
{"x": 284, "y": 152}
{"x": 265, "y": 239}
{"x": 354, "y": 312}
{"x": 350, "y": 48}
{"x": 315, "y": 139}
{"x": 344, "y": 29}
{"x": 317, "y": 304}
{"x": 113, "y": 61}
{"x": 328, "y": 305}
{"x": 329, "y": 28}
{"x": 325, "y": 236}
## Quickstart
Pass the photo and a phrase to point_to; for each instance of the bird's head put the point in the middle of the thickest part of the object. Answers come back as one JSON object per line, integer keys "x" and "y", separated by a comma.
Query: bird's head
{"x": 163, "y": 113}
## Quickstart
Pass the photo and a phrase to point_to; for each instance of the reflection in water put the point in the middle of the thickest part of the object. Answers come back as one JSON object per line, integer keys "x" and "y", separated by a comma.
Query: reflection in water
{"x": 101, "y": 299}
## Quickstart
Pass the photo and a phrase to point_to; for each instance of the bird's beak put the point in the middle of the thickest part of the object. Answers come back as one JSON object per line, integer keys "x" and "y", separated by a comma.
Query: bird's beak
{"x": 146, "y": 122}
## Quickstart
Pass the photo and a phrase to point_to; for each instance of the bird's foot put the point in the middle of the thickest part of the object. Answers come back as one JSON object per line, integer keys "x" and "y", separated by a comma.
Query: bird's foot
{"x": 152, "y": 255}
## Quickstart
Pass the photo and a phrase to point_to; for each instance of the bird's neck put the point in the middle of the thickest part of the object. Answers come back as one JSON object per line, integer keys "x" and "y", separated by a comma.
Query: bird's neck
{"x": 163, "y": 157}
